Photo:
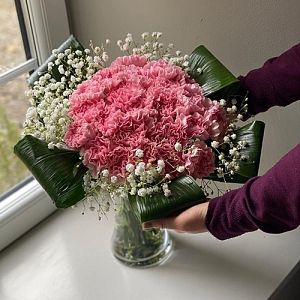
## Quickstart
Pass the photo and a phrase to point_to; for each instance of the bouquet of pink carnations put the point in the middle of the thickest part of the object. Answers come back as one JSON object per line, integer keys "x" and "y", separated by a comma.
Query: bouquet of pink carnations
{"x": 148, "y": 125}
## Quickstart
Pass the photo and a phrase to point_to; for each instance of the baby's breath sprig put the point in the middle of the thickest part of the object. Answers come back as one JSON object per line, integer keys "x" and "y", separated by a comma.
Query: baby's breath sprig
{"x": 141, "y": 179}
{"x": 100, "y": 192}
{"x": 211, "y": 189}
{"x": 236, "y": 107}
{"x": 154, "y": 50}
{"x": 100, "y": 55}
{"x": 47, "y": 119}
{"x": 228, "y": 153}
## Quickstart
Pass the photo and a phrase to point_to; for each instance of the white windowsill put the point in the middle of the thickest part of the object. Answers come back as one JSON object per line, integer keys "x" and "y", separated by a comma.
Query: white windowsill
{"x": 68, "y": 256}
{"x": 21, "y": 210}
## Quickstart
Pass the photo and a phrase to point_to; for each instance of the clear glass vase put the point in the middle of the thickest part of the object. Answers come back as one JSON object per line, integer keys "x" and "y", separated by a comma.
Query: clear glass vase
{"x": 134, "y": 246}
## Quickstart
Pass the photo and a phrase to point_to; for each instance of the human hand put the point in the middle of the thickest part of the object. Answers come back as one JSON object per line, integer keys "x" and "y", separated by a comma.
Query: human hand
{"x": 191, "y": 220}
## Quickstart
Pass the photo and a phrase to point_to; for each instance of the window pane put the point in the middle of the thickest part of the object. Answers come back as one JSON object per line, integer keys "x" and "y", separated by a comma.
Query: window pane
{"x": 13, "y": 102}
{"x": 13, "y": 106}
{"x": 11, "y": 44}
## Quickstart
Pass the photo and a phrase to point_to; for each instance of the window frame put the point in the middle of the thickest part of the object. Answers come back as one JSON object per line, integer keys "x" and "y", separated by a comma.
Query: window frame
{"x": 46, "y": 25}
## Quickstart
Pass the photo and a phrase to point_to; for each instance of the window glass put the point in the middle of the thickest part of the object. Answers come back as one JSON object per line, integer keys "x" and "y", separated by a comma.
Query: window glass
{"x": 11, "y": 44}
{"x": 13, "y": 106}
{"x": 13, "y": 102}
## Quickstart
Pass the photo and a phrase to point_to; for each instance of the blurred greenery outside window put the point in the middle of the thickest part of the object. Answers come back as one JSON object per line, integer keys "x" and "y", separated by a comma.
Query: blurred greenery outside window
{"x": 13, "y": 102}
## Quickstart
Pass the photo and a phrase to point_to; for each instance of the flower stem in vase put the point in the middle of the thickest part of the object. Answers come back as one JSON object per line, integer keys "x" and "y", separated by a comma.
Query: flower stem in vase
{"x": 134, "y": 246}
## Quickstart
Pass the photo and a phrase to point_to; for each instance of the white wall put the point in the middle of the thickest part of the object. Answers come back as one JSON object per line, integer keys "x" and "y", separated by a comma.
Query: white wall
{"x": 242, "y": 34}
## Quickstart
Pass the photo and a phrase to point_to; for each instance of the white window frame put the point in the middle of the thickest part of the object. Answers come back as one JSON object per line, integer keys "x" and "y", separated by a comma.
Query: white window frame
{"x": 47, "y": 27}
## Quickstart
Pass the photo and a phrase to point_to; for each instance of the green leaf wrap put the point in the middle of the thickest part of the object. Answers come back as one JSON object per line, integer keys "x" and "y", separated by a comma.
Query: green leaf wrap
{"x": 215, "y": 79}
{"x": 185, "y": 193}
{"x": 59, "y": 171}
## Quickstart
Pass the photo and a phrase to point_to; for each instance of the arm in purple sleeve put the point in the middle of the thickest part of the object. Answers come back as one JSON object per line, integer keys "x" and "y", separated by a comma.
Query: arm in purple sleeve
{"x": 276, "y": 83}
{"x": 271, "y": 202}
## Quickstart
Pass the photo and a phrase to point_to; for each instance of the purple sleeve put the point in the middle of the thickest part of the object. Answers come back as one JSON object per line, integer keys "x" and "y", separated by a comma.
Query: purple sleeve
{"x": 276, "y": 83}
{"x": 271, "y": 202}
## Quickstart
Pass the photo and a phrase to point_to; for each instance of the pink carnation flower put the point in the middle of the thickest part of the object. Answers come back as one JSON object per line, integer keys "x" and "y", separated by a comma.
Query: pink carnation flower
{"x": 199, "y": 160}
{"x": 136, "y": 104}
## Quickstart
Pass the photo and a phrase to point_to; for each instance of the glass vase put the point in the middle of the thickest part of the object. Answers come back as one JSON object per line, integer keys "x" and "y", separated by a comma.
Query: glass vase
{"x": 134, "y": 246}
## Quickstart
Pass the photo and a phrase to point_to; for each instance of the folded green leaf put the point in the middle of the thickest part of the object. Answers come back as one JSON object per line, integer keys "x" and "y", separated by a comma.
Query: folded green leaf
{"x": 185, "y": 193}
{"x": 59, "y": 171}
{"x": 215, "y": 79}
{"x": 251, "y": 133}
{"x": 72, "y": 43}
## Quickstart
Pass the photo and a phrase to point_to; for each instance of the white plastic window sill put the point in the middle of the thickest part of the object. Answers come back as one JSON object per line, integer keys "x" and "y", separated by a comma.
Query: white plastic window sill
{"x": 21, "y": 210}
{"x": 68, "y": 256}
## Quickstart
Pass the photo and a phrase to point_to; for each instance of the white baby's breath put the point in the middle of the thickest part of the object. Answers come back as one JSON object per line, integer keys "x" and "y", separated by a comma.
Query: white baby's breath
{"x": 153, "y": 49}
{"x": 178, "y": 147}
{"x": 49, "y": 95}
{"x": 139, "y": 153}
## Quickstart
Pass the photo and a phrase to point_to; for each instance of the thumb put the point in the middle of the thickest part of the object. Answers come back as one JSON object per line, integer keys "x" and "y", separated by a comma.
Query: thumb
{"x": 191, "y": 220}
{"x": 159, "y": 223}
